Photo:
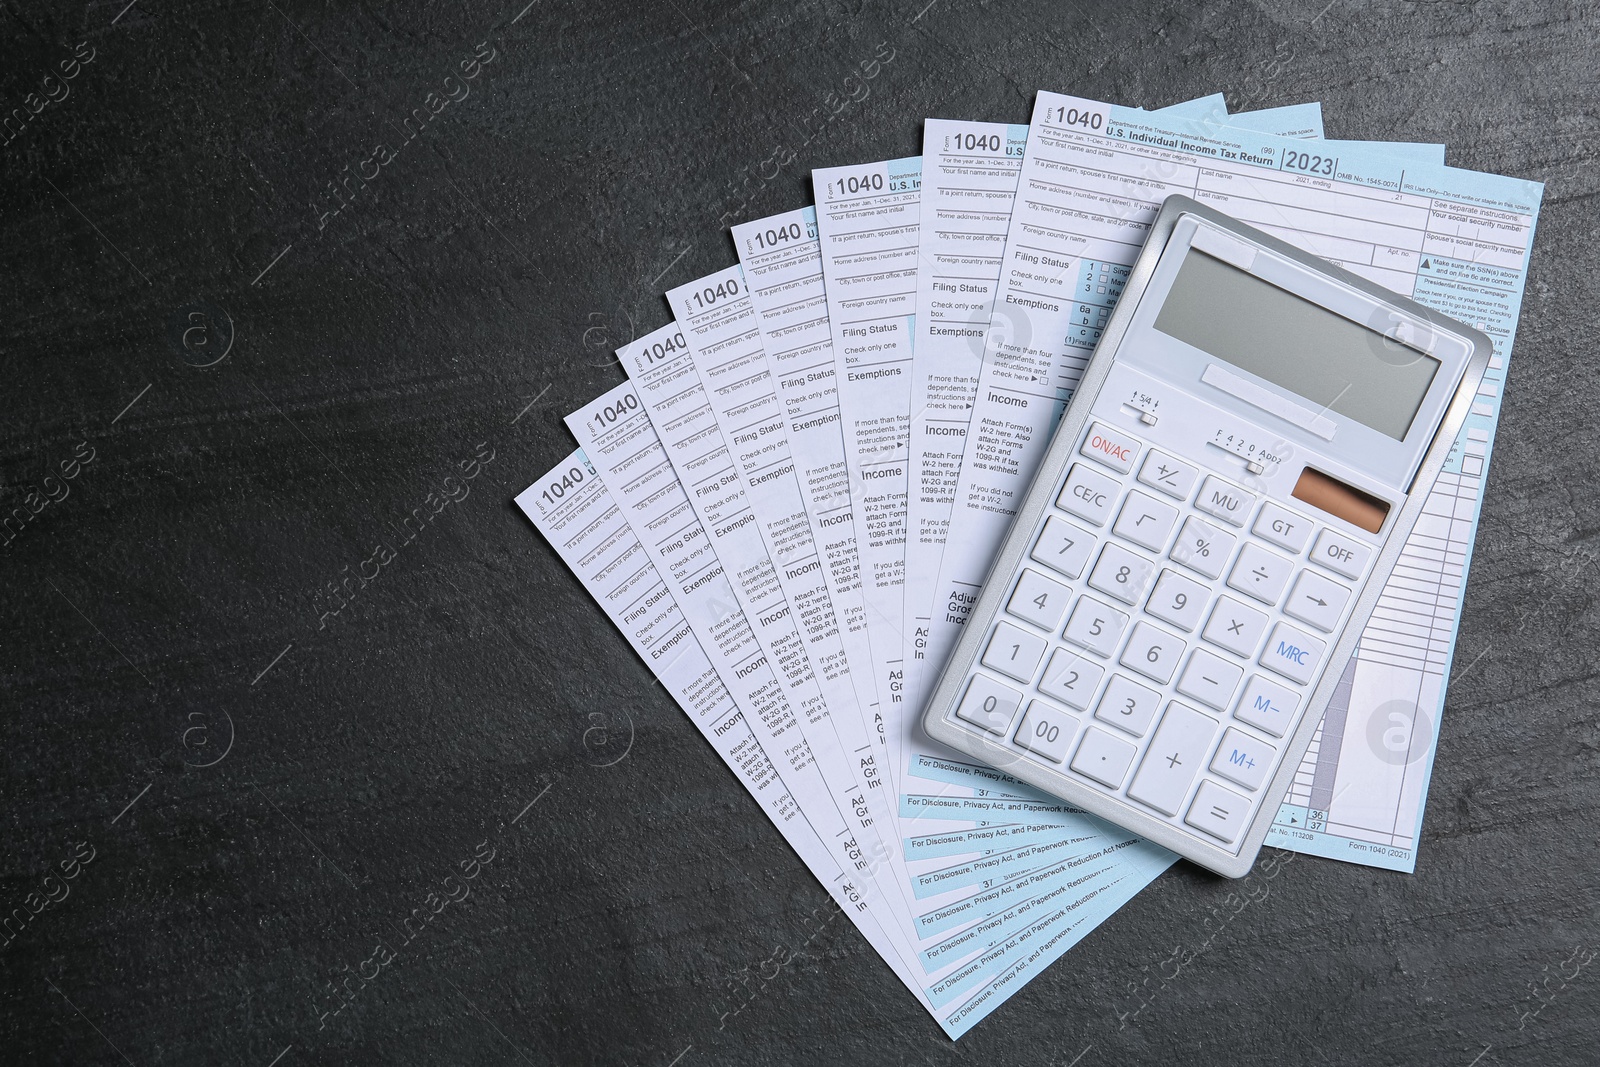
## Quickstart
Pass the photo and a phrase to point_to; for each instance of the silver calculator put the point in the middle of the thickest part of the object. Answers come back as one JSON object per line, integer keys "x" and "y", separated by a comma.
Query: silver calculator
{"x": 1208, "y": 533}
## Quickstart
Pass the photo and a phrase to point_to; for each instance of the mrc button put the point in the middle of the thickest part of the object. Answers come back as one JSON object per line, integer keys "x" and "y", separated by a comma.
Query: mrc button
{"x": 1340, "y": 554}
{"x": 1114, "y": 449}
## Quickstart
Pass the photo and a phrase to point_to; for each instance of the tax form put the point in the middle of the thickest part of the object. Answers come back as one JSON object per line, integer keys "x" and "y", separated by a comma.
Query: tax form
{"x": 571, "y": 507}
{"x": 970, "y": 183}
{"x": 981, "y": 910}
{"x": 867, "y": 219}
{"x": 1093, "y": 176}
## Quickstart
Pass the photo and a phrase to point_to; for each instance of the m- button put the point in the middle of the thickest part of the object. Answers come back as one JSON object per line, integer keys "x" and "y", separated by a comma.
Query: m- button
{"x": 1114, "y": 449}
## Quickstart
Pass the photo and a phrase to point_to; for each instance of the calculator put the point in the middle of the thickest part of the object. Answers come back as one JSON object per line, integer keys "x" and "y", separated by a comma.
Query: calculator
{"x": 1207, "y": 535}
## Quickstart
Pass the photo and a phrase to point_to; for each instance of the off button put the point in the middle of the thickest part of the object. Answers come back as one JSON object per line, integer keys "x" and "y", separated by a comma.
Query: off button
{"x": 1114, "y": 449}
{"x": 1340, "y": 554}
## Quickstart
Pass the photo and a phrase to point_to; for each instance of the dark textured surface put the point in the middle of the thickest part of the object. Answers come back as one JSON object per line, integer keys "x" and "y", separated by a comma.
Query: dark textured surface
{"x": 300, "y": 779}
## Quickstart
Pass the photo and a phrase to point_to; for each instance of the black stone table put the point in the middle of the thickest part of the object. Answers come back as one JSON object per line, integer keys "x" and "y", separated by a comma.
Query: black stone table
{"x": 275, "y": 271}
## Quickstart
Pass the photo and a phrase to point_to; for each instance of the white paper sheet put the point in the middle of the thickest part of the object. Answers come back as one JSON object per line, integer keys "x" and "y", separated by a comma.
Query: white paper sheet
{"x": 1453, "y": 239}
{"x": 571, "y": 507}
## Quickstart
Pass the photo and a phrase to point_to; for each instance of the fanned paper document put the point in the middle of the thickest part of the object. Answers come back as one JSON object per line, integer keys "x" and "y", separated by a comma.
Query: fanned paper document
{"x": 793, "y": 500}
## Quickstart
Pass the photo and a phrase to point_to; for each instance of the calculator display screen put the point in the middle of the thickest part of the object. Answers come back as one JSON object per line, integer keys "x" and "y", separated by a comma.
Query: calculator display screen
{"x": 1334, "y": 362}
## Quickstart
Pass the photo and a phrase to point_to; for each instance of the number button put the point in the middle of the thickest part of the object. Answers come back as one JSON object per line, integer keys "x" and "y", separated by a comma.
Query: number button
{"x": 1063, "y": 547}
{"x": 1121, "y": 574}
{"x": 1175, "y": 755}
{"x": 1267, "y": 705}
{"x": 1096, "y": 626}
{"x": 1292, "y": 653}
{"x": 1104, "y": 758}
{"x": 1202, "y": 548}
{"x": 1014, "y": 652}
{"x": 1039, "y": 600}
{"x": 1128, "y": 706}
{"x": 1046, "y": 731}
{"x": 1224, "y": 500}
{"x": 1209, "y": 679}
{"x": 989, "y": 704}
{"x": 1115, "y": 450}
{"x": 1282, "y": 527}
{"x": 1317, "y": 601}
{"x": 1088, "y": 494}
{"x": 1152, "y": 652}
{"x": 1219, "y": 812}
{"x": 1340, "y": 554}
{"x": 1167, "y": 475}
{"x": 1235, "y": 627}
{"x": 1145, "y": 521}
{"x": 1242, "y": 759}
{"x": 1070, "y": 678}
{"x": 1178, "y": 600}
{"x": 1260, "y": 574}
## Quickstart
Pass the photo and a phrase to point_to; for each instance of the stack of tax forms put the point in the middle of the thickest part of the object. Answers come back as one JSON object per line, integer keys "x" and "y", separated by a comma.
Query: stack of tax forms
{"x": 790, "y": 504}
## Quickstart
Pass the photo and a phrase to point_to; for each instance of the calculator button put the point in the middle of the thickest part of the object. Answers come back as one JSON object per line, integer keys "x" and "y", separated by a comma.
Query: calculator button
{"x": 989, "y": 704}
{"x": 1202, "y": 548}
{"x": 1121, "y": 574}
{"x": 1292, "y": 653}
{"x": 1115, "y": 450}
{"x": 1282, "y": 527}
{"x": 1039, "y": 600}
{"x": 1178, "y": 600}
{"x": 1176, "y": 754}
{"x": 1317, "y": 600}
{"x": 1103, "y": 758}
{"x": 1339, "y": 553}
{"x": 1063, "y": 546}
{"x": 1267, "y": 705}
{"x": 1171, "y": 476}
{"x": 1128, "y": 706}
{"x": 1070, "y": 678}
{"x": 1242, "y": 759}
{"x": 1152, "y": 652}
{"x": 1046, "y": 731}
{"x": 1145, "y": 521}
{"x": 1088, "y": 494}
{"x": 1014, "y": 652}
{"x": 1260, "y": 573}
{"x": 1224, "y": 500}
{"x": 1210, "y": 679}
{"x": 1235, "y": 627}
{"x": 1219, "y": 812}
{"x": 1096, "y": 626}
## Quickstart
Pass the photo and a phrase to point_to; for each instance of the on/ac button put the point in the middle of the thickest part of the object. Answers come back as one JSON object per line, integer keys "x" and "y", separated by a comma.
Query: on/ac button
{"x": 1114, "y": 449}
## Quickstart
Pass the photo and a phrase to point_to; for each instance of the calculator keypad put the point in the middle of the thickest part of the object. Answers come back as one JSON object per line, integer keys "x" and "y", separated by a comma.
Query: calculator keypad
{"x": 1159, "y": 641}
